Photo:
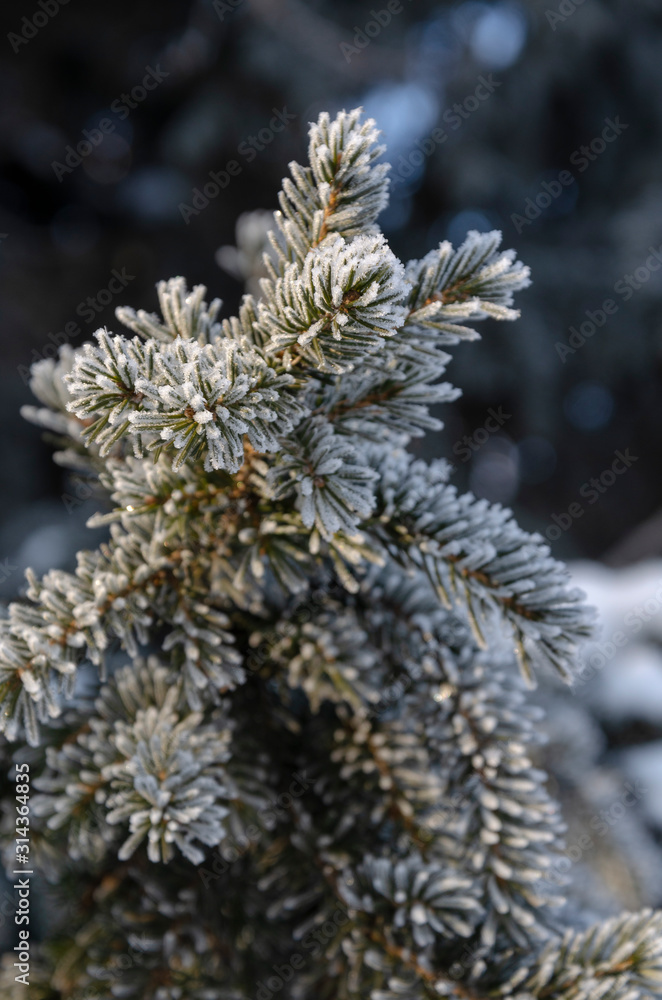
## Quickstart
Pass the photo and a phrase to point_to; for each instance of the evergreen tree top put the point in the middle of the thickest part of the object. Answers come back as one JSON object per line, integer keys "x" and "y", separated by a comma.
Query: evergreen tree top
{"x": 295, "y": 593}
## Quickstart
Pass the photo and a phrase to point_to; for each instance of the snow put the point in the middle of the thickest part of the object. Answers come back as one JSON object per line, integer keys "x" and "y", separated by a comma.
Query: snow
{"x": 622, "y": 671}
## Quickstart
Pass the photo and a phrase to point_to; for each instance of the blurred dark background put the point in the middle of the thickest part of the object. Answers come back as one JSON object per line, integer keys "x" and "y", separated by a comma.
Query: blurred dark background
{"x": 483, "y": 106}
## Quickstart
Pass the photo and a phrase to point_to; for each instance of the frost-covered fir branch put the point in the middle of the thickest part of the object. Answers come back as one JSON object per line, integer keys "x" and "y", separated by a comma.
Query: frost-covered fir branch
{"x": 149, "y": 763}
{"x": 476, "y": 549}
{"x": 278, "y": 712}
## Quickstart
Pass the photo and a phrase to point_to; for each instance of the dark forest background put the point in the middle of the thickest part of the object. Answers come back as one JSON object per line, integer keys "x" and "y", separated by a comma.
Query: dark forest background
{"x": 517, "y": 89}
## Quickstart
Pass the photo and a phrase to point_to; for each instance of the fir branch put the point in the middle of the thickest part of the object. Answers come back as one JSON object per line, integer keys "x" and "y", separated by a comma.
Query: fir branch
{"x": 199, "y": 400}
{"x": 185, "y": 314}
{"x": 147, "y": 760}
{"x": 394, "y": 403}
{"x": 334, "y": 491}
{"x": 621, "y": 957}
{"x": 411, "y": 879}
{"x": 341, "y": 192}
{"x": 336, "y": 306}
{"x": 121, "y": 592}
{"x": 451, "y": 287}
{"x": 476, "y": 555}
